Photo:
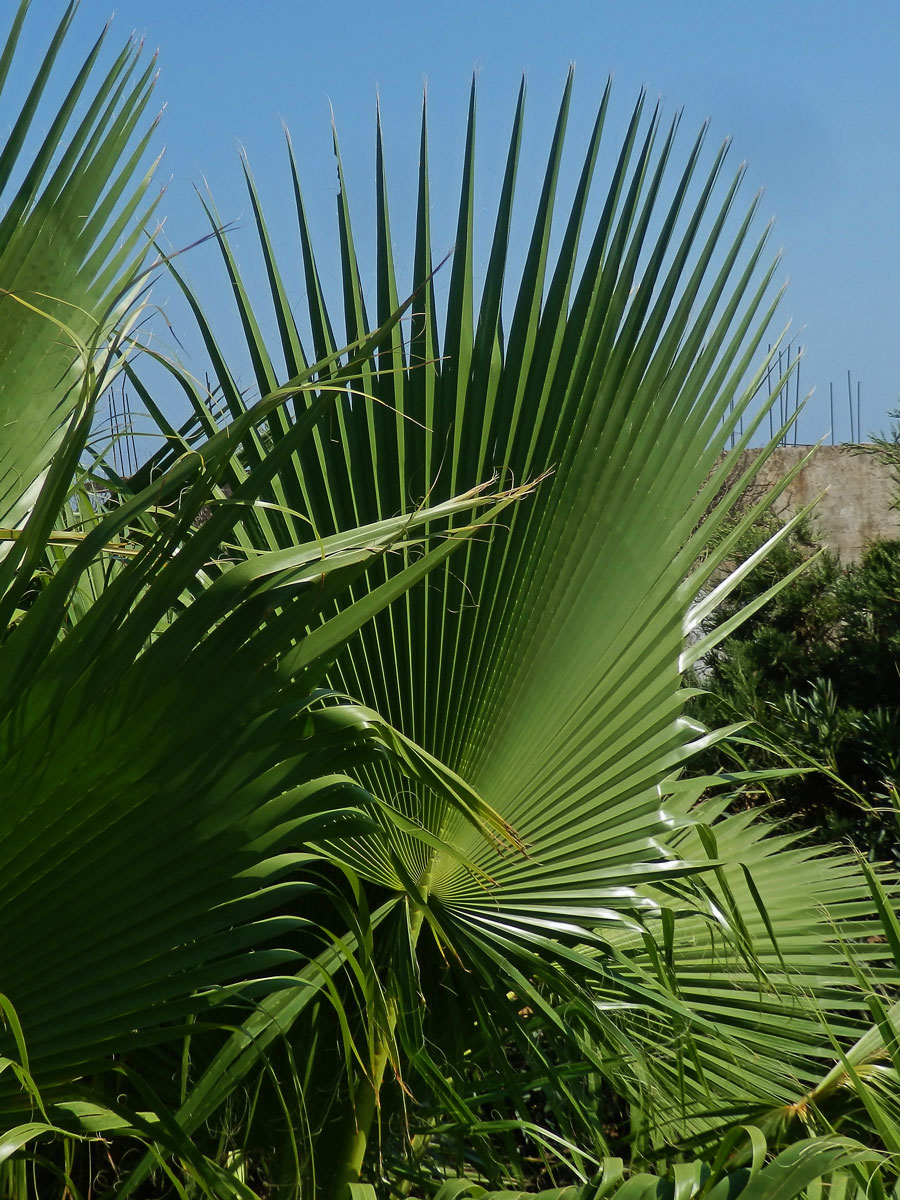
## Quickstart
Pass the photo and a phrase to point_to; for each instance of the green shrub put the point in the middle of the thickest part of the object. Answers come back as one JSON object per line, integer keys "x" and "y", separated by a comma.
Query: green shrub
{"x": 815, "y": 673}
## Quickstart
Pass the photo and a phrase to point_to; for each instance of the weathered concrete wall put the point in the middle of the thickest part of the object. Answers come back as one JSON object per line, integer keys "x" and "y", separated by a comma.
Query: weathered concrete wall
{"x": 858, "y": 489}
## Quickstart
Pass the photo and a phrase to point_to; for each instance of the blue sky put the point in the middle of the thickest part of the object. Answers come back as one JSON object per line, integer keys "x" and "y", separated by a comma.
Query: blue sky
{"x": 808, "y": 90}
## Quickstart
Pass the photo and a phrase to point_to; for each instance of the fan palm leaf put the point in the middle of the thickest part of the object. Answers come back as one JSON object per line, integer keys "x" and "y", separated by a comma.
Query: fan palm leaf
{"x": 71, "y": 242}
{"x": 544, "y": 663}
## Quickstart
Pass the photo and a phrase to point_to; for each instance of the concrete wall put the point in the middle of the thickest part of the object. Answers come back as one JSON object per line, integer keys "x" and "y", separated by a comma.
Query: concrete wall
{"x": 858, "y": 489}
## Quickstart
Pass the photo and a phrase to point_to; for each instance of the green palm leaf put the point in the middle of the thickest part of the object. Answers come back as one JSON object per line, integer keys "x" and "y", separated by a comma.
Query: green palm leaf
{"x": 71, "y": 242}
{"x": 798, "y": 1171}
{"x": 543, "y": 664}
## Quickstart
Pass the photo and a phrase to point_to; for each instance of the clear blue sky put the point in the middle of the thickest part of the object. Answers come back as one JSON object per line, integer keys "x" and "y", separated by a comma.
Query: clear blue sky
{"x": 808, "y": 89}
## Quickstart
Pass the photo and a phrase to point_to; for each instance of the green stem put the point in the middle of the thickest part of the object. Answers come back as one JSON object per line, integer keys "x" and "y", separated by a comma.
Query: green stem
{"x": 365, "y": 1104}
{"x": 368, "y": 1087}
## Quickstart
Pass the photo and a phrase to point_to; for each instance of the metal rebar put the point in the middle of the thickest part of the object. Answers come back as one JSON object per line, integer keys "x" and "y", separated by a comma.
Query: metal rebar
{"x": 858, "y": 414}
{"x": 769, "y": 391}
{"x": 831, "y": 404}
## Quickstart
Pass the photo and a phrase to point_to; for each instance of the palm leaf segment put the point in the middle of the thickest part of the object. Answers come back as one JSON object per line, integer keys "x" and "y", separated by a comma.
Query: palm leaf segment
{"x": 543, "y": 662}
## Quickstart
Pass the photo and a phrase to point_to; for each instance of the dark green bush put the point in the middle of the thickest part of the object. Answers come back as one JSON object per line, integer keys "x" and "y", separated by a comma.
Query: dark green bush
{"x": 816, "y": 672}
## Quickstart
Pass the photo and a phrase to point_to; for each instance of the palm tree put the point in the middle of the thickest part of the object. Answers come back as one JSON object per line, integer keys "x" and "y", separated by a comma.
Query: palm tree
{"x": 251, "y": 884}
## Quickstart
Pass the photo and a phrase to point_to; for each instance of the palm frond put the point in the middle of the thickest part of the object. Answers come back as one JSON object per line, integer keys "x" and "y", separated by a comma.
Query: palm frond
{"x": 543, "y": 664}
{"x": 71, "y": 243}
